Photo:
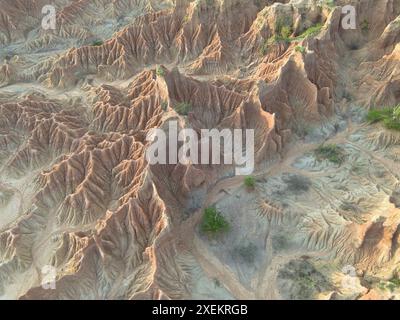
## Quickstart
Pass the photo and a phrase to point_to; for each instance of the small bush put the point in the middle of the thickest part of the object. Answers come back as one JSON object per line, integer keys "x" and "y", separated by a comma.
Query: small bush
{"x": 164, "y": 105}
{"x": 264, "y": 48}
{"x": 300, "y": 49}
{"x": 311, "y": 31}
{"x": 183, "y": 108}
{"x": 391, "y": 285}
{"x": 213, "y": 222}
{"x": 375, "y": 115}
{"x": 283, "y": 32}
{"x": 364, "y": 25}
{"x": 392, "y": 124}
{"x": 160, "y": 71}
{"x": 97, "y": 43}
{"x": 329, "y": 3}
{"x": 331, "y": 152}
{"x": 396, "y": 112}
{"x": 250, "y": 182}
{"x": 271, "y": 41}
{"x": 389, "y": 116}
{"x": 286, "y": 32}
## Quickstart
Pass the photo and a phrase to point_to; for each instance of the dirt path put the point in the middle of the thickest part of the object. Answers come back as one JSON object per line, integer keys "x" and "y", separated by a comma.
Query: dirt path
{"x": 266, "y": 287}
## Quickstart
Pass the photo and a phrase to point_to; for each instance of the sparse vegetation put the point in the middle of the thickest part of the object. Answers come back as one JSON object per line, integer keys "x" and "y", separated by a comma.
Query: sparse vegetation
{"x": 329, "y": 3}
{"x": 186, "y": 19}
{"x": 391, "y": 285}
{"x": 271, "y": 41}
{"x": 304, "y": 280}
{"x": 250, "y": 182}
{"x": 97, "y": 43}
{"x": 364, "y": 25}
{"x": 164, "y": 105}
{"x": 160, "y": 71}
{"x": 389, "y": 116}
{"x": 183, "y": 108}
{"x": 331, "y": 152}
{"x": 213, "y": 222}
{"x": 286, "y": 32}
{"x": 301, "y": 128}
{"x": 300, "y": 49}
{"x": 283, "y": 32}
{"x": 311, "y": 31}
{"x": 264, "y": 48}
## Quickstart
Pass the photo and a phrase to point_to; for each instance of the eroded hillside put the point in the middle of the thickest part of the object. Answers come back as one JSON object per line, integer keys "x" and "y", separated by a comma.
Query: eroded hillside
{"x": 77, "y": 193}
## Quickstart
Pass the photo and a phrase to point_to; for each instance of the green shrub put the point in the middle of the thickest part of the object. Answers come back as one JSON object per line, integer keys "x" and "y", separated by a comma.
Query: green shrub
{"x": 311, "y": 31}
{"x": 300, "y": 49}
{"x": 164, "y": 105}
{"x": 375, "y": 115}
{"x": 364, "y": 25}
{"x": 329, "y": 3}
{"x": 392, "y": 124}
{"x": 286, "y": 32}
{"x": 250, "y": 182}
{"x": 389, "y": 116}
{"x": 183, "y": 108}
{"x": 331, "y": 152}
{"x": 271, "y": 41}
{"x": 213, "y": 222}
{"x": 264, "y": 48}
{"x": 283, "y": 32}
{"x": 160, "y": 71}
{"x": 391, "y": 285}
{"x": 97, "y": 43}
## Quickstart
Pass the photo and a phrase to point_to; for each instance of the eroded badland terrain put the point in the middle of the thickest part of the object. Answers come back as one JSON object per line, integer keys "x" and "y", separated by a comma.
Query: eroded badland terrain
{"x": 321, "y": 221}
